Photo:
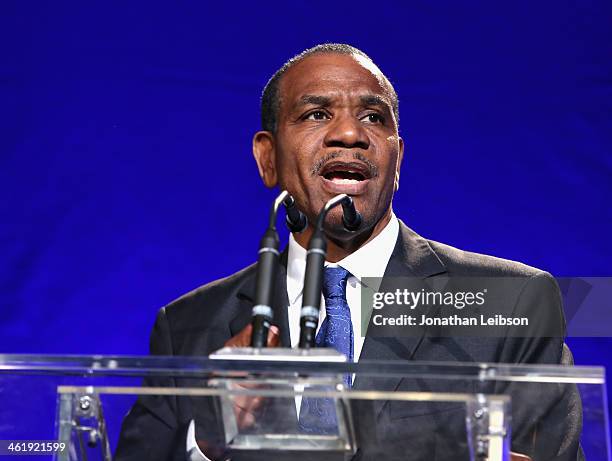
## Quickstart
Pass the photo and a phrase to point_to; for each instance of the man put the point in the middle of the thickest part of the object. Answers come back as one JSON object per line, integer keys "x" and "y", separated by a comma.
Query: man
{"x": 329, "y": 126}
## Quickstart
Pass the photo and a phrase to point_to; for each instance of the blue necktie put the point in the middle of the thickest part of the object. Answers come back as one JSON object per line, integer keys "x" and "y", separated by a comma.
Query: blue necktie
{"x": 318, "y": 416}
{"x": 337, "y": 329}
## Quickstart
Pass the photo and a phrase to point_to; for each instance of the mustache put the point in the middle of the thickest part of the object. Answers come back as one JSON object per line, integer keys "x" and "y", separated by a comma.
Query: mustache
{"x": 316, "y": 168}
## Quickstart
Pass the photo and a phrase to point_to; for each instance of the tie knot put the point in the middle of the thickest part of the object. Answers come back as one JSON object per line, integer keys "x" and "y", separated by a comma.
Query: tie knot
{"x": 334, "y": 282}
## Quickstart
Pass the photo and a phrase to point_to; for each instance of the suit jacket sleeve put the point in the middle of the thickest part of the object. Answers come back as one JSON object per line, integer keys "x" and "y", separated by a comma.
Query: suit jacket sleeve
{"x": 151, "y": 430}
{"x": 547, "y": 417}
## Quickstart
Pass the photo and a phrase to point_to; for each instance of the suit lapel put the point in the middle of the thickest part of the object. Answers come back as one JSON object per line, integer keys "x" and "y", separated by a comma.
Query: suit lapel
{"x": 411, "y": 257}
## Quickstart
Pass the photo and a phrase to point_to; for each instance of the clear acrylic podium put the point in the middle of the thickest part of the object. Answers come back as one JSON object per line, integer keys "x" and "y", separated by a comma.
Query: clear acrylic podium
{"x": 255, "y": 407}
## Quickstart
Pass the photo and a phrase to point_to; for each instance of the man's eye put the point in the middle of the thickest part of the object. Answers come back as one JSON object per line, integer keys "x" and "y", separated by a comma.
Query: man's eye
{"x": 317, "y": 115}
{"x": 373, "y": 118}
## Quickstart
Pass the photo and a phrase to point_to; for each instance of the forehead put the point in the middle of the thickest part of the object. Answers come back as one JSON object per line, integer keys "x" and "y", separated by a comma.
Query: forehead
{"x": 332, "y": 74}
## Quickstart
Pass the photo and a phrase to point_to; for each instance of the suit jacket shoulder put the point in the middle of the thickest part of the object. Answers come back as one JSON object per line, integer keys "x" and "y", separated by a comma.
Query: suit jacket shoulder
{"x": 460, "y": 262}
{"x": 189, "y": 303}
{"x": 199, "y": 322}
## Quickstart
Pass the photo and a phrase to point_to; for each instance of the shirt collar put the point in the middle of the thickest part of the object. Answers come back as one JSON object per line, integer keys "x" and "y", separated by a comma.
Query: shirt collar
{"x": 368, "y": 261}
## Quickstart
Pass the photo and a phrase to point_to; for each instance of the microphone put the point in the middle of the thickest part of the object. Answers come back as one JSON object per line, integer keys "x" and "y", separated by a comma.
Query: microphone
{"x": 267, "y": 265}
{"x": 296, "y": 220}
{"x": 351, "y": 218}
{"x": 315, "y": 260}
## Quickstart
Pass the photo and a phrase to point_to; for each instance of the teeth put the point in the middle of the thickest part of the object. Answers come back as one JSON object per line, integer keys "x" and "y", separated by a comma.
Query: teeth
{"x": 344, "y": 181}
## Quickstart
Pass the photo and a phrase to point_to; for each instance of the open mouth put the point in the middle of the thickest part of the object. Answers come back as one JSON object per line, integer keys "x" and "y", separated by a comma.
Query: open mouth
{"x": 345, "y": 173}
{"x": 350, "y": 178}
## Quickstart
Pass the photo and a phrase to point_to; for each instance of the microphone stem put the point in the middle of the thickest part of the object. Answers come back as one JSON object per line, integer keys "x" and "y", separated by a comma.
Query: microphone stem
{"x": 267, "y": 266}
{"x": 313, "y": 279}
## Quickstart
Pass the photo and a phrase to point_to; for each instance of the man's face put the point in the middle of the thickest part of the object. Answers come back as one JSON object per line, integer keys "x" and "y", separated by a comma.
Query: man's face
{"x": 336, "y": 134}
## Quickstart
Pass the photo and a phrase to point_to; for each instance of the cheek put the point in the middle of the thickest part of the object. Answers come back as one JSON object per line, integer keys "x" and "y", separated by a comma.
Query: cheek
{"x": 293, "y": 166}
{"x": 388, "y": 154}
{"x": 296, "y": 157}
{"x": 284, "y": 163}
{"x": 389, "y": 157}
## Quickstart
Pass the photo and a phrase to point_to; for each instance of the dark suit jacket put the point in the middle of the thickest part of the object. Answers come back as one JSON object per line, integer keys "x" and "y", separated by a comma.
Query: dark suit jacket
{"x": 546, "y": 418}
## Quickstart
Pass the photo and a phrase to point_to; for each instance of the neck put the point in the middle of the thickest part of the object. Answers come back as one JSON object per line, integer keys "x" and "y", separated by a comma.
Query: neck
{"x": 338, "y": 249}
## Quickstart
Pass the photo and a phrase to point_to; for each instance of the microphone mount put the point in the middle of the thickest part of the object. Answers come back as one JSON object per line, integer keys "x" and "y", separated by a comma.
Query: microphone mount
{"x": 267, "y": 266}
{"x": 296, "y": 220}
{"x": 315, "y": 260}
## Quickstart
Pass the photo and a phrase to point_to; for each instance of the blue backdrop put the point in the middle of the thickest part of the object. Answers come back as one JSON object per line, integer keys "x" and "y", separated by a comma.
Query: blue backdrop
{"x": 126, "y": 132}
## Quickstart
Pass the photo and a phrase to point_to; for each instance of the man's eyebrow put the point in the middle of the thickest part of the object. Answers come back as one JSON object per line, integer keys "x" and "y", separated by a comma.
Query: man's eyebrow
{"x": 374, "y": 100}
{"x": 315, "y": 100}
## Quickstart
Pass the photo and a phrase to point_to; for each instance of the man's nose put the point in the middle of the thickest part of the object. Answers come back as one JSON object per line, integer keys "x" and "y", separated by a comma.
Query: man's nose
{"x": 346, "y": 131}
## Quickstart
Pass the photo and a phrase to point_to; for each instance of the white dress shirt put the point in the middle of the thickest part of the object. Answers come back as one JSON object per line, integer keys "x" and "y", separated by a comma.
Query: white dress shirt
{"x": 368, "y": 261}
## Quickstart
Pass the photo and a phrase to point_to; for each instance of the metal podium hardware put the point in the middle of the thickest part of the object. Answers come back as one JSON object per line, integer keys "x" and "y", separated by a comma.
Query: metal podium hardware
{"x": 81, "y": 423}
{"x": 488, "y": 427}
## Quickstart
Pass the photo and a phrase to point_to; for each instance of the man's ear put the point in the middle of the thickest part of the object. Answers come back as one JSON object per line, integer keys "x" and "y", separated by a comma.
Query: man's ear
{"x": 398, "y": 166}
{"x": 264, "y": 151}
